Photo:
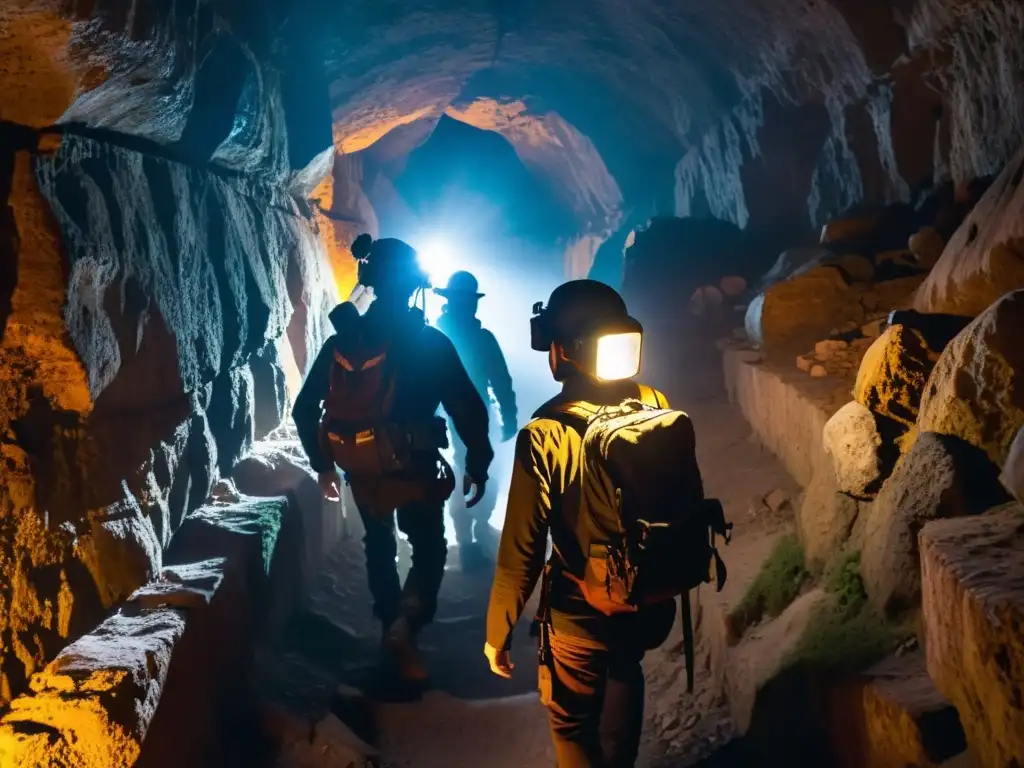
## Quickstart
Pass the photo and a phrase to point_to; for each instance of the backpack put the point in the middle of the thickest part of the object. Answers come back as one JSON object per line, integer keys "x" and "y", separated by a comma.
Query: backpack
{"x": 643, "y": 525}
{"x": 358, "y": 428}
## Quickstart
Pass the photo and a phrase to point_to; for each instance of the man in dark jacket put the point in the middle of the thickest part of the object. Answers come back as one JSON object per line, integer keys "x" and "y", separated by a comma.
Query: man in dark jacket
{"x": 486, "y": 366}
{"x": 419, "y": 370}
{"x": 594, "y": 684}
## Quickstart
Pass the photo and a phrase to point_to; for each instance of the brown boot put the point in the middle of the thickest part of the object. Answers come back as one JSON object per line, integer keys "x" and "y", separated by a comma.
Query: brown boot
{"x": 400, "y": 643}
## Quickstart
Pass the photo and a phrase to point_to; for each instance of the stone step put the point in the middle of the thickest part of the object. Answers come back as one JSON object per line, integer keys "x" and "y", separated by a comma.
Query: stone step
{"x": 892, "y": 716}
{"x": 972, "y": 574}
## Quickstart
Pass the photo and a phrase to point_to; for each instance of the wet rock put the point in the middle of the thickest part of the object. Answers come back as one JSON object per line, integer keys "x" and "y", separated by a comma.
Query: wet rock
{"x": 892, "y": 716}
{"x": 860, "y": 455}
{"x": 332, "y": 745}
{"x": 1012, "y": 476}
{"x": 973, "y": 610}
{"x": 927, "y": 245}
{"x": 939, "y": 477}
{"x": 976, "y": 391}
{"x": 893, "y": 373}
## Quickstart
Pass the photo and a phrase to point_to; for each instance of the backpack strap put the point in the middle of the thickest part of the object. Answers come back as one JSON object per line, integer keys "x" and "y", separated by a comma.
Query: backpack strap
{"x": 652, "y": 397}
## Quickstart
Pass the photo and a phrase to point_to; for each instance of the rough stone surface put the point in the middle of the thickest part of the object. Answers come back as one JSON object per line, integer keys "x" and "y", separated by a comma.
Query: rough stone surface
{"x": 826, "y": 517}
{"x": 1012, "y": 476}
{"x": 332, "y": 745}
{"x": 973, "y": 613}
{"x": 985, "y": 258}
{"x": 927, "y": 246}
{"x": 860, "y": 456}
{"x": 140, "y": 288}
{"x": 808, "y": 302}
{"x": 940, "y": 477}
{"x": 976, "y": 391}
{"x": 892, "y": 716}
{"x": 279, "y": 468}
{"x": 893, "y": 373}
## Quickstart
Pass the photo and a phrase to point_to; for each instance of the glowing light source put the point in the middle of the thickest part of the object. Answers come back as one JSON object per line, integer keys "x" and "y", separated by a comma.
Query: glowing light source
{"x": 618, "y": 356}
{"x": 438, "y": 259}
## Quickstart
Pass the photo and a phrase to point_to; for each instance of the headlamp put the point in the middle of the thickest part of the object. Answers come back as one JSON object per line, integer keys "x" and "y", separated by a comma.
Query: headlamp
{"x": 609, "y": 348}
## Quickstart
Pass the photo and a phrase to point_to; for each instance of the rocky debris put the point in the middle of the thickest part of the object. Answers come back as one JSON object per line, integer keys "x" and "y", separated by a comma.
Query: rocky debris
{"x": 975, "y": 391}
{"x": 861, "y": 457}
{"x": 857, "y": 269}
{"x": 939, "y": 477}
{"x": 776, "y": 500}
{"x": 893, "y": 373}
{"x": 835, "y": 356}
{"x": 927, "y": 245}
{"x": 330, "y": 745}
{"x": 973, "y": 602}
{"x": 818, "y": 372}
{"x": 892, "y": 716}
{"x": 985, "y": 257}
{"x": 1012, "y": 476}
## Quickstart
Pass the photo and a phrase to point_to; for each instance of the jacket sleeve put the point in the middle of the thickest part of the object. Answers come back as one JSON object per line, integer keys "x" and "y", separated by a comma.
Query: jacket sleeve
{"x": 501, "y": 382}
{"x": 466, "y": 409}
{"x": 308, "y": 408}
{"x": 523, "y": 540}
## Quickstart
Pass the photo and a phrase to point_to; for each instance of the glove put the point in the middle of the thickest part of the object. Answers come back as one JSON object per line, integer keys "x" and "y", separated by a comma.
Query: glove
{"x": 468, "y": 483}
{"x": 330, "y": 485}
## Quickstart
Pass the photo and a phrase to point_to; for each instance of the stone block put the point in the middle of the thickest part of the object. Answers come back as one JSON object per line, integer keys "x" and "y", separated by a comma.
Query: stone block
{"x": 861, "y": 457}
{"x": 974, "y": 626}
{"x": 892, "y": 716}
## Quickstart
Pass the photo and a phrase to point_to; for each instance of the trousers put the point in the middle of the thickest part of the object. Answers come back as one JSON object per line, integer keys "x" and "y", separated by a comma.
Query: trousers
{"x": 468, "y": 522}
{"x": 596, "y": 712}
{"x": 416, "y": 600}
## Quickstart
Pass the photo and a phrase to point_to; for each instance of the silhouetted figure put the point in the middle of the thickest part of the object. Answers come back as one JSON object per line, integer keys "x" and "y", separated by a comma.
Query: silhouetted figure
{"x": 486, "y": 366}
{"x": 369, "y": 406}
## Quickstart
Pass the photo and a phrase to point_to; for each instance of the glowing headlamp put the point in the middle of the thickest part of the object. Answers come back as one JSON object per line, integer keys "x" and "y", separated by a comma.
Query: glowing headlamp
{"x": 609, "y": 349}
{"x": 618, "y": 355}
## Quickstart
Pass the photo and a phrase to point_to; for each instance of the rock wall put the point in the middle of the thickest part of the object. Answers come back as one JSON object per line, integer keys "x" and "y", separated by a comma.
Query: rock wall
{"x": 152, "y": 310}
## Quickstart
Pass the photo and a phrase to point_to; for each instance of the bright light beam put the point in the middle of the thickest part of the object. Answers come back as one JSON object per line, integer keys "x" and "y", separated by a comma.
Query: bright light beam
{"x": 438, "y": 259}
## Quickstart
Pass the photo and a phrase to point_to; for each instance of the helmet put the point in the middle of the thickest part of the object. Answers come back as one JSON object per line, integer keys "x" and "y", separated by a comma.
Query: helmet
{"x": 589, "y": 320}
{"x": 460, "y": 284}
{"x": 388, "y": 261}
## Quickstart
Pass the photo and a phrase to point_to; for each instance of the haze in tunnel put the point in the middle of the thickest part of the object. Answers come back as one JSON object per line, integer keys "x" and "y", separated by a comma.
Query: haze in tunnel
{"x": 469, "y": 203}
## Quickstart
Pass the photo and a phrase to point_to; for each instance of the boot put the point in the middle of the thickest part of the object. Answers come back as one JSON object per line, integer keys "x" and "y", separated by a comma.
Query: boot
{"x": 400, "y": 643}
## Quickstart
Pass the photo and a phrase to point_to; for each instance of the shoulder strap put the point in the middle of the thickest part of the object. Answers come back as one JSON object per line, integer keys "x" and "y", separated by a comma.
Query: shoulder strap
{"x": 650, "y": 396}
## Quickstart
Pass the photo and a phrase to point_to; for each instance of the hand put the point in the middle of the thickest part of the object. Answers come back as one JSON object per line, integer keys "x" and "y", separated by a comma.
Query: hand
{"x": 500, "y": 661}
{"x": 508, "y": 432}
{"x": 330, "y": 485}
{"x": 468, "y": 483}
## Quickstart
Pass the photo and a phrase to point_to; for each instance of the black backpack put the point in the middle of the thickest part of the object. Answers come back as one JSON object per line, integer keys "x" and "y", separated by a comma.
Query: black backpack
{"x": 645, "y": 529}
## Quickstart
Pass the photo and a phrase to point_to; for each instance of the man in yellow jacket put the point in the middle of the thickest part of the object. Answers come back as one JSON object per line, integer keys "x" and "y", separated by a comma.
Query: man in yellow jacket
{"x": 596, "y": 690}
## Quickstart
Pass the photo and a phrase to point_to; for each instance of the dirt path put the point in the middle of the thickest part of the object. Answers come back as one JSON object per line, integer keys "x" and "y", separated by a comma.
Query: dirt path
{"x": 471, "y": 718}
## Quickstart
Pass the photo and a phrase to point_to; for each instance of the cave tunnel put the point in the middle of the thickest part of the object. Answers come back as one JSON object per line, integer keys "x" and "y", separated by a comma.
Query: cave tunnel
{"x": 813, "y": 209}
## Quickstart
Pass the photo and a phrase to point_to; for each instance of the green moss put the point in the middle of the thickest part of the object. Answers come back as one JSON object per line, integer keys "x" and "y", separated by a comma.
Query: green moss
{"x": 842, "y": 579}
{"x": 838, "y": 639}
{"x": 777, "y": 585}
